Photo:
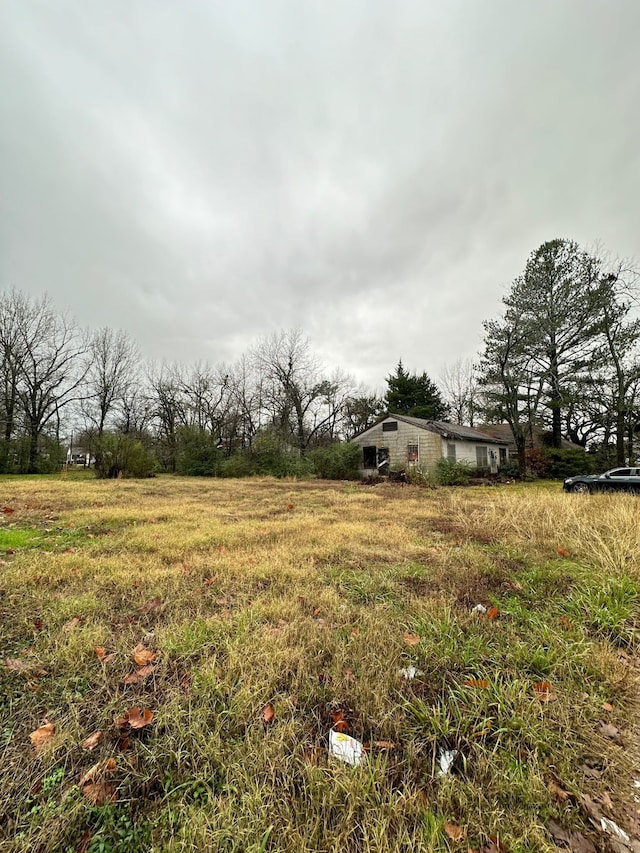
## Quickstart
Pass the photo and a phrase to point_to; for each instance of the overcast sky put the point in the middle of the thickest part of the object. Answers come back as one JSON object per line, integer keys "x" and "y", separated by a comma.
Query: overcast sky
{"x": 204, "y": 172}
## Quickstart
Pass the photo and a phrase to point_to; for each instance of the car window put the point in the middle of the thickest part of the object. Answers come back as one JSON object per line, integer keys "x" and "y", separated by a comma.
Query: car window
{"x": 620, "y": 472}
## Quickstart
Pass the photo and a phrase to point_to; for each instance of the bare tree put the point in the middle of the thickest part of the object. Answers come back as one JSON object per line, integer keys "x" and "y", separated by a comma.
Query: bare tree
{"x": 460, "y": 386}
{"x": 300, "y": 400}
{"x": 52, "y": 367}
{"x": 113, "y": 360}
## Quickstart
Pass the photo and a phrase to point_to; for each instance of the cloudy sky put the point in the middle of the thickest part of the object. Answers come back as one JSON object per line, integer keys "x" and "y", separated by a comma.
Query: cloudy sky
{"x": 204, "y": 172}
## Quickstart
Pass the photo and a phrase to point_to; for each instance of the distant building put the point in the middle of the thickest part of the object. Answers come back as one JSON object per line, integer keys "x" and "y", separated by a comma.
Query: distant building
{"x": 399, "y": 442}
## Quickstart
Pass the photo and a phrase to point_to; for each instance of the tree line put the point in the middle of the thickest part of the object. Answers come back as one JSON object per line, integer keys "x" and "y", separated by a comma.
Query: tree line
{"x": 561, "y": 357}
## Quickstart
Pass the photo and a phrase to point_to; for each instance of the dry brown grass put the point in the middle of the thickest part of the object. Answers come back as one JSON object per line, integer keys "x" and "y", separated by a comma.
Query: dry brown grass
{"x": 297, "y": 594}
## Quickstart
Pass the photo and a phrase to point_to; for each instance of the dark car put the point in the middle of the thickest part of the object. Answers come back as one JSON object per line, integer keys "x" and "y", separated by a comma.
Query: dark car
{"x": 616, "y": 480}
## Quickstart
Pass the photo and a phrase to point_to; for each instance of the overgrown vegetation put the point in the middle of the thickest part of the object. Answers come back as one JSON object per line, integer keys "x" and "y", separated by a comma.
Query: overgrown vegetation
{"x": 250, "y": 617}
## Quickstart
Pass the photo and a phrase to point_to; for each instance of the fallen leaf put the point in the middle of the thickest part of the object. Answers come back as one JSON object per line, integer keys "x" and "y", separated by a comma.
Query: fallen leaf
{"x": 410, "y": 639}
{"x": 94, "y": 786}
{"x": 543, "y": 692}
{"x": 355, "y": 632}
{"x": 289, "y": 506}
{"x": 607, "y": 706}
{"x": 566, "y": 622}
{"x": 209, "y": 581}
{"x": 454, "y": 832}
{"x": 339, "y": 723}
{"x": 576, "y": 840}
{"x": 349, "y": 675}
{"x": 316, "y": 612}
{"x": 84, "y": 843}
{"x": 482, "y": 683}
{"x": 592, "y": 772}
{"x": 142, "y": 656}
{"x": 42, "y": 736}
{"x": 134, "y": 718}
{"x": 139, "y": 675}
{"x": 384, "y": 744}
{"x": 124, "y": 743}
{"x": 99, "y": 793}
{"x": 16, "y": 664}
{"x": 563, "y": 552}
{"x": 514, "y": 585}
{"x": 268, "y": 713}
{"x": 559, "y": 793}
{"x": 150, "y": 606}
{"x": 92, "y": 741}
{"x": 493, "y": 612}
{"x": 591, "y": 808}
{"x": 101, "y": 652}
{"x": 612, "y": 732}
{"x": 71, "y": 624}
{"x": 8, "y": 510}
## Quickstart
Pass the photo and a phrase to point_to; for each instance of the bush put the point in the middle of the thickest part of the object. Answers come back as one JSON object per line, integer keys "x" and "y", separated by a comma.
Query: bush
{"x": 122, "y": 456}
{"x": 510, "y": 468}
{"x": 338, "y": 462}
{"x": 198, "y": 454}
{"x": 452, "y": 473}
{"x": 557, "y": 463}
{"x": 419, "y": 476}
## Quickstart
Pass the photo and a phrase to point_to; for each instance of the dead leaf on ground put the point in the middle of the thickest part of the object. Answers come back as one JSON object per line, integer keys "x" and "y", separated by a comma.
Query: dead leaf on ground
{"x": 143, "y": 656}
{"x": 575, "y": 840}
{"x": 410, "y": 639}
{"x": 558, "y": 792}
{"x": 591, "y": 808}
{"x": 16, "y": 664}
{"x": 289, "y": 506}
{"x": 42, "y": 736}
{"x": 84, "y": 843}
{"x": 139, "y": 675}
{"x": 482, "y": 683}
{"x": 8, "y": 510}
{"x": 349, "y": 675}
{"x": 563, "y": 552}
{"x": 384, "y": 744}
{"x": 612, "y": 732}
{"x": 103, "y": 657}
{"x": 493, "y": 613}
{"x": 72, "y": 623}
{"x": 355, "y": 632}
{"x": 607, "y": 706}
{"x": 316, "y": 612}
{"x": 566, "y": 622}
{"x": 544, "y": 692}
{"x": 92, "y": 741}
{"x": 340, "y": 724}
{"x": 150, "y": 606}
{"x": 134, "y": 718}
{"x": 514, "y": 585}
{"x": 209, "y": 581}
{"x": 268, "y": 713}
{"x": 94, "y": 786}
{"x": 455, "y": 832}
{"x": 124, "y": 743}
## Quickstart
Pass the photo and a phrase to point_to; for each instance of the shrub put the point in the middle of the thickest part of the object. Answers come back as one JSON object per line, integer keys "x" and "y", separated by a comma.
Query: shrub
{"x": 338, "y": 462}
{"x": 419, "y": 476}
{"x": 557, "y": 463}
{"x": 198, "y": 454}
{"x": 452, "y": 473}
{"x": 122, "y": 456}
{"x": 510, "y": 468}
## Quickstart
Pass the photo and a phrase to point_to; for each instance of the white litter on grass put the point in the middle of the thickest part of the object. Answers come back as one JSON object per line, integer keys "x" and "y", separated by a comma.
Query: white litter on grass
{"x": 346, "y": 748}
{"x": 410, "y": 673}
{"x": 613, "y": 829}
{"x": 479, "y": 608}
{"x": 636, "y": 783}
{"x": 446, "y": 758}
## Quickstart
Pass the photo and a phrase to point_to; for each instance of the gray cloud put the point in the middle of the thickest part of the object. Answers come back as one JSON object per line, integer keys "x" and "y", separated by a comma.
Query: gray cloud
{"x": 202, "y": 173}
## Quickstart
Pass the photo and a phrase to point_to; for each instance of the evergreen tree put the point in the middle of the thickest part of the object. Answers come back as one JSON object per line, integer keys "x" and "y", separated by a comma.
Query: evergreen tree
{"x": 410, "y": 394}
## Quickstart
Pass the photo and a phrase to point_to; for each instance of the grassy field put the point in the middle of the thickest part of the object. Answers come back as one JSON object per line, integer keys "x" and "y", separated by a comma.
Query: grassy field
{"x": 252, "y": 617}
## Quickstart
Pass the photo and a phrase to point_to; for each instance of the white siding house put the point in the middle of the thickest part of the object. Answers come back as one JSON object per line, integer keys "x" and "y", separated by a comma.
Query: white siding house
{"x": 399, "y": 441}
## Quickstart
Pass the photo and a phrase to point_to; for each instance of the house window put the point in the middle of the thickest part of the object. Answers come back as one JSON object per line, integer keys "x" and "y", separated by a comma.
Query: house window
{"x": 503, "y": 455}
{"x": 451, "y": 451}
{"x": 481, "y": 457}
{"x": 369, "y": 457}
{"x": 390, "y": 426}
{"x": 412, "y": 453}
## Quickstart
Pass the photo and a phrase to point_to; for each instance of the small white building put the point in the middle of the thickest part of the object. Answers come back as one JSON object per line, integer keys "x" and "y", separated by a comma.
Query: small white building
{"x": 398, "y": 442}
